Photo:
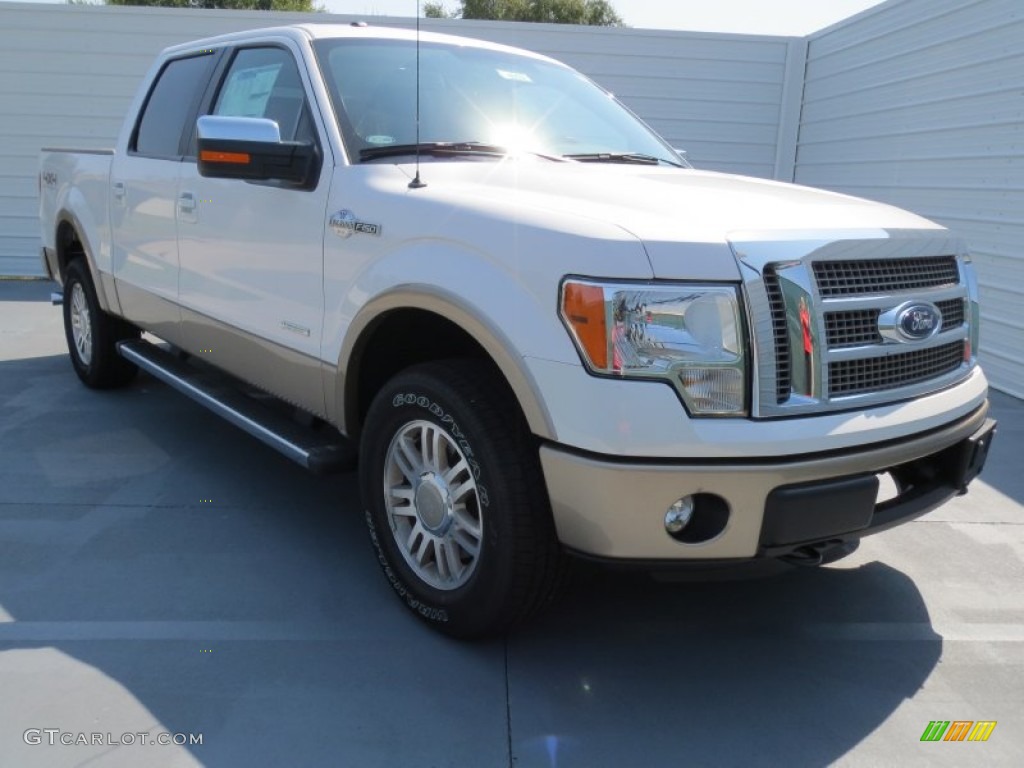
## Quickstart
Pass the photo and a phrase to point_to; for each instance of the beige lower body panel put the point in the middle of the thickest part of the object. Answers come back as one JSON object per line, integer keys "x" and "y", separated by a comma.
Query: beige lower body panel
{"x": 284, "y": 373}
{"x": 613, "y": 509}
{"x": 157, "y": 315}
{"x": 109, "y": 289}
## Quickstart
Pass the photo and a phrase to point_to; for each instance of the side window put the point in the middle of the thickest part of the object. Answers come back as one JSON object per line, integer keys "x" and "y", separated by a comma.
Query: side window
{"x": 169, "y": 106}
{"x": 264, "y": 82}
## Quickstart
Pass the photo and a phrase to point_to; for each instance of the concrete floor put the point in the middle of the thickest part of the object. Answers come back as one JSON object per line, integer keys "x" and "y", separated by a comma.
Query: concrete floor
{"x": 161, "y": 571}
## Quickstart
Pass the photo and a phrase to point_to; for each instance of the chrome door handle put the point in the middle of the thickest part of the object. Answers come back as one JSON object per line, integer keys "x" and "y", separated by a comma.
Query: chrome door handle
{"x": 186, "y": 202}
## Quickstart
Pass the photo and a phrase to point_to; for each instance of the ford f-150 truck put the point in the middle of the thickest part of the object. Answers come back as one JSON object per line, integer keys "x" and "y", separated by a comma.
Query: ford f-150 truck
{"x": 540, "y": 331}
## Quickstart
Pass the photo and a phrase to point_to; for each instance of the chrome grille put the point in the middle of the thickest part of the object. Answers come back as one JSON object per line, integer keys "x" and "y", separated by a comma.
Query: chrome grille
{"x": 783, "y": 361}
{"x": 852, "y": 328}
{"x": 854, "y": 278}
{"x": 952, "y": 313}
{"x": 855, "y": 328}
{"x": 825, "y": 315}
{"x": 873, "y": 374}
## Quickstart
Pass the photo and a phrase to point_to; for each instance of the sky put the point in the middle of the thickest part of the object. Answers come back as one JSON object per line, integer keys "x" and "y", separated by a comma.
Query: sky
{"x": 766, "y": 17}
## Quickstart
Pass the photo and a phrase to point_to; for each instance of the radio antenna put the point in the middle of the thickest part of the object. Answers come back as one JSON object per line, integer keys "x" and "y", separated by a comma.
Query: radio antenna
{"x": 416, "y": 183}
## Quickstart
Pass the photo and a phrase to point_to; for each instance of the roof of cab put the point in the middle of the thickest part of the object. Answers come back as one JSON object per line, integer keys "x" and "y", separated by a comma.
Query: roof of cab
{"x": 299, "y": 32}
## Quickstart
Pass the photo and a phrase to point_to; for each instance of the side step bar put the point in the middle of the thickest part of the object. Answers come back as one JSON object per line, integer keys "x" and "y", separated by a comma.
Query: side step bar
{"x": 319, "y": 453}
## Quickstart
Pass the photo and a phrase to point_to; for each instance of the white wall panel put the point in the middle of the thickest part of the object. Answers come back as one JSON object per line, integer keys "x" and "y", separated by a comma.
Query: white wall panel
{"x": 920, "y": 103}
{"x": 68, "y": 73}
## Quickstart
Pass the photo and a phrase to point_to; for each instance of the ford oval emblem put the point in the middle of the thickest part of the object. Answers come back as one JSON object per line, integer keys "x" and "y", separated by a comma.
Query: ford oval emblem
{"x": 918, "y": 321}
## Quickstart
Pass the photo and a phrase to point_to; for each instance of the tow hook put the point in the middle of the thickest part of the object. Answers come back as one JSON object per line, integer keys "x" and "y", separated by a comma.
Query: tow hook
{"x": 821, "y": 552}
{"x": 809, "y": 555}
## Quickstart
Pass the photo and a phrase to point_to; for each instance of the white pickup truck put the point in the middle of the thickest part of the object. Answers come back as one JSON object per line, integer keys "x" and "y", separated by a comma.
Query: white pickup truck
{"x": 539, "y": 329}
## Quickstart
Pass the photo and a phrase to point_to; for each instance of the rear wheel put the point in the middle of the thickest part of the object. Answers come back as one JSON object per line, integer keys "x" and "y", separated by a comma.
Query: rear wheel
{"x": 92, "y": 334}
{"x": 455, "y": 499}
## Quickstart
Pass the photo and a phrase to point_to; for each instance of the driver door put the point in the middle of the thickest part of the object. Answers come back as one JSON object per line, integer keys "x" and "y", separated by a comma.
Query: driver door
{"x": 251, "y": 253}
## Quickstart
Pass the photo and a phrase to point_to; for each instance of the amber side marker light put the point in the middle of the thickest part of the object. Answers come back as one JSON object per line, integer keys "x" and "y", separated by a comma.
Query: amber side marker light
{"x": 210, "y": 156}
{"x": 584, "y": 309}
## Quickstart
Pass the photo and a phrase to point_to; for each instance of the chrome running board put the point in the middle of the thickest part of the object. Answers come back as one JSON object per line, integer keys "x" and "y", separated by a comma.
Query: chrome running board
{"x": 318, "y": 452}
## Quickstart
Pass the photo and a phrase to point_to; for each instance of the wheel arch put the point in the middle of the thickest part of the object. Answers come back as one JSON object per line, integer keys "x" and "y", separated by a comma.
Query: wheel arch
{"x": 71, "y": 244}
{"x": 376, "y": 348}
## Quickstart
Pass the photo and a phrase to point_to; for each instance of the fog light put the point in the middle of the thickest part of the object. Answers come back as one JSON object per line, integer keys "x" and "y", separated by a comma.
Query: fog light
{"x": 714, "y": 390}
{"x": 679, "y": 515}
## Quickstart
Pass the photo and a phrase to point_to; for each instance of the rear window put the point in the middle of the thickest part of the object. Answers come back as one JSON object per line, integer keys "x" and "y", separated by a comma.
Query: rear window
{"x": 170, "y": 104}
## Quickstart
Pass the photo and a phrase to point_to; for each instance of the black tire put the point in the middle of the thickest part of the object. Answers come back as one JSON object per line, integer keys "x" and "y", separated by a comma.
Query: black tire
{"x": 518, "y": 561}
{"x": 92, "y": 334}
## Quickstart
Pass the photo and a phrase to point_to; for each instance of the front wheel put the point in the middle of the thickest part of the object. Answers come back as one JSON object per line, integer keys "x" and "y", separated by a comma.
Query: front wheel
{"x": 455, "y": 499}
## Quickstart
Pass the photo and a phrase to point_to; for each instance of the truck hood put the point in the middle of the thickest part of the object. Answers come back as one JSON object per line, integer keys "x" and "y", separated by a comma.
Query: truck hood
{"x": 685, "y": 218}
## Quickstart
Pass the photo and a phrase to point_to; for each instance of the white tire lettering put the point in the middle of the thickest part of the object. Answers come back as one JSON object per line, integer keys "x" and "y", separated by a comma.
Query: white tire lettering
{"x": 434, "y": 614}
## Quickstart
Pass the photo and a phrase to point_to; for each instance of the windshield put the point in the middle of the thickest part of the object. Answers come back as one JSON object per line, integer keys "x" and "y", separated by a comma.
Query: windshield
{"x": 475, "y": 95}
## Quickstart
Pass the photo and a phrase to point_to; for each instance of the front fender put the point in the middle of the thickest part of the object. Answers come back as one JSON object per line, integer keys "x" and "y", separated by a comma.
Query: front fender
{"x": 509, "y": 307}
{"x": 498, "y": 345}
{"x": 495, "y": 276}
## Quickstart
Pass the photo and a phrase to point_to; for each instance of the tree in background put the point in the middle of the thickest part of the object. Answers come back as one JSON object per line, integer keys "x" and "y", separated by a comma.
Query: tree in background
{"x": 593, "y": 12}
{"x": 434, "y": 10}
{"x": 233, "y": 5}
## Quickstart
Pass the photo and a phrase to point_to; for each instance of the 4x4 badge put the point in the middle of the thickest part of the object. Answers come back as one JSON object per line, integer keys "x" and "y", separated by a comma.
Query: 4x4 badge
{"x": 344, "y": 223}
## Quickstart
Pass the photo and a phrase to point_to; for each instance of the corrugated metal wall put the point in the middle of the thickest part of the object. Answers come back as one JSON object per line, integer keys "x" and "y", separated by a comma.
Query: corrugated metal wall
{"x": 920, "y": 103}
{"x": 68, "y": 73}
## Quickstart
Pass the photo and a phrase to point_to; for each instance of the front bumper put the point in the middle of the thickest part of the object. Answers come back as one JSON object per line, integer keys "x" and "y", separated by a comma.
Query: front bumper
{"x": 609, "y": 508}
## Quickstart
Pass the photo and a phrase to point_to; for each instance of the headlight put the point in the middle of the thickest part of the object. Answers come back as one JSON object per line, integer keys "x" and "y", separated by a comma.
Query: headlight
{"x": 689, "y": 335}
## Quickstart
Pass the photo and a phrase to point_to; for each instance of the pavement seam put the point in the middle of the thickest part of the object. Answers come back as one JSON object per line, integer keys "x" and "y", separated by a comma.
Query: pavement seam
{"x": 968, "y": 522}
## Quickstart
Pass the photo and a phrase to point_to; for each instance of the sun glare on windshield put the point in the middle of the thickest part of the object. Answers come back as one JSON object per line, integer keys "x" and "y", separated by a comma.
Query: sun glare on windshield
{"x": 516, "y": 139}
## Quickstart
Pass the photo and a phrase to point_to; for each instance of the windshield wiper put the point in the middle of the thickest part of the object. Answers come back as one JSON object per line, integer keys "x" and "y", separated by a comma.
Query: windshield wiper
{"x": 432, "y": 148}
{"x": 621, "y": 157}
{"x": 446, "y": 149}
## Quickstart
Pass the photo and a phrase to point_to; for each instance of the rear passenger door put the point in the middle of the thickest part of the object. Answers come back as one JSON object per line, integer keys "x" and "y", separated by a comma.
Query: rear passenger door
{"x": 143, "y": 189}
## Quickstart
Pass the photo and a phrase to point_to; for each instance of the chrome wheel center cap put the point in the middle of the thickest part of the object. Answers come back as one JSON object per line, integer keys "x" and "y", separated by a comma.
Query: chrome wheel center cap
{"x": 433, "y": 504}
